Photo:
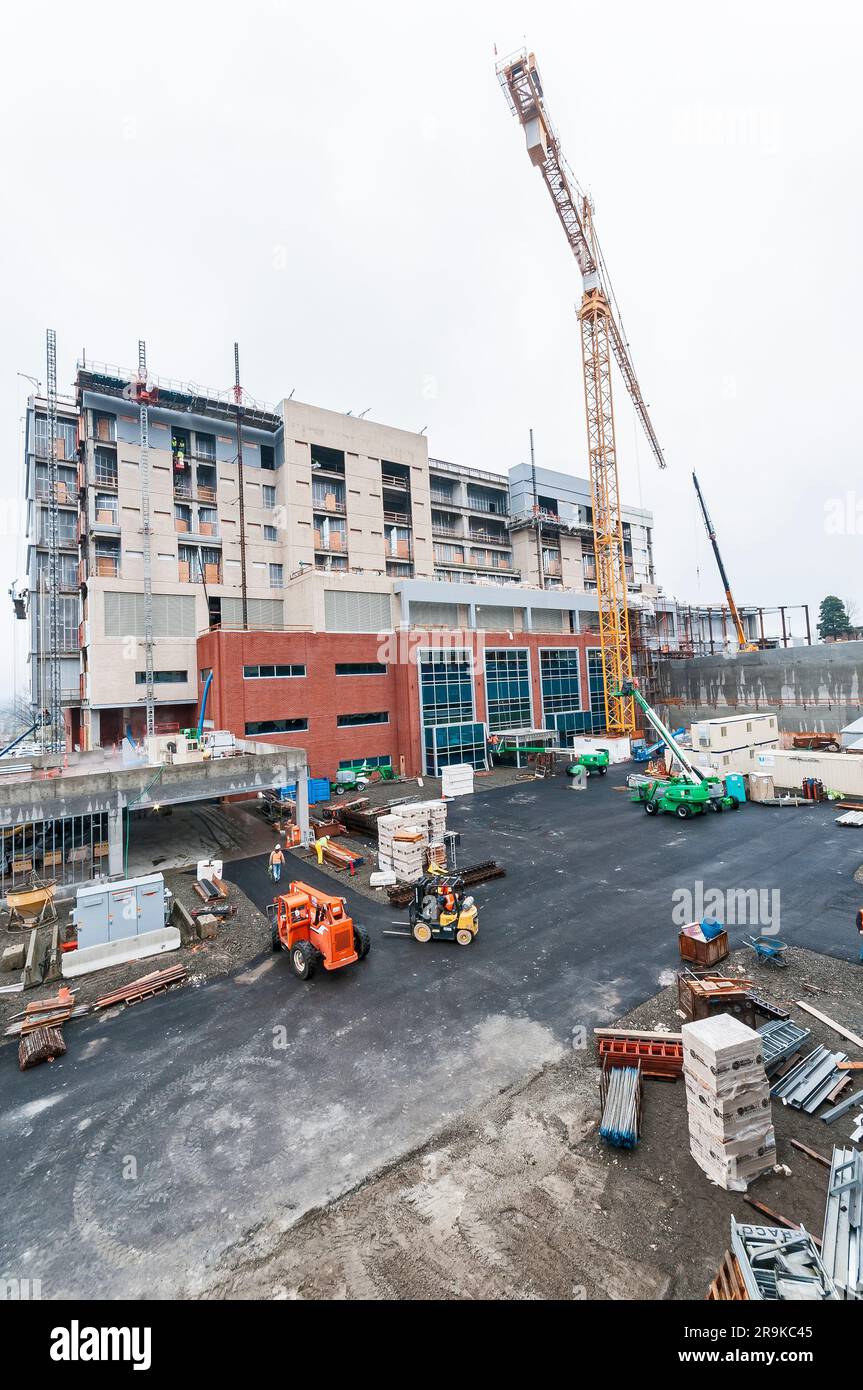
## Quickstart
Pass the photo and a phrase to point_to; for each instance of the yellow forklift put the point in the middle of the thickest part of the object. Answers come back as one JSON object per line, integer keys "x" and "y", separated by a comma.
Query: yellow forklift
{"x": 441, "y": 911}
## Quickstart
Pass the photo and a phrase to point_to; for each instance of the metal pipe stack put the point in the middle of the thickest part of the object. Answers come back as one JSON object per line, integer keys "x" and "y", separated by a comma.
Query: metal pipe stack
{"x": 731, "y": 1134}
{"x": 619, "y": 1124}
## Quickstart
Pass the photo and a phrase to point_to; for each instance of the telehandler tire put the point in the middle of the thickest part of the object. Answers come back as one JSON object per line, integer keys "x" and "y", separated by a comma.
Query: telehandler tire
{"x": 303, "y": 960}
{"x": 362, "y": 942}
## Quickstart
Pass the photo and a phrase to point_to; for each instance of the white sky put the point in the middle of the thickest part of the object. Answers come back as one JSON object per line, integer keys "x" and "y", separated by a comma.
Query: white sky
{"x": 342, "y": 188}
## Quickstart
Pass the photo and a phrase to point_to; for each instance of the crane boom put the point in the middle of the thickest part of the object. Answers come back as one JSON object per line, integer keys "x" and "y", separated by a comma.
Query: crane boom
{"x": 602, "y": 339}
{"x": 726, "y": 583}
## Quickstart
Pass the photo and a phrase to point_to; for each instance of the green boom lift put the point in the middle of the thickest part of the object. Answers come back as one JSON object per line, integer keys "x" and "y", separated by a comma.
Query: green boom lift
{"x": 691, "y": 794}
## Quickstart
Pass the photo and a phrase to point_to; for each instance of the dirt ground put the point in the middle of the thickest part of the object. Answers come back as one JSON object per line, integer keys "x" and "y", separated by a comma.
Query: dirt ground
{"x": 521, "y": 1198}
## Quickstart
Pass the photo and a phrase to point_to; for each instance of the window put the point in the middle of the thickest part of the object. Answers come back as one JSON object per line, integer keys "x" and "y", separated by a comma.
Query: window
{"x": 255, "y": 673}
{"x": 105, "y": 467}
{"x": 446, "y": 687}
{"x": 507, "y": 684}
{"x": 276, "y": 726}
{"x": 382, "y": 760}
{"x": 205, "y": 446}
{"x": 162, "y": 677}
{"x": 268, "y": 496}
{"x": 204, "y": 672}
{"x": 562, "y": 704}
{"x": 104, "y": 426}
{"x": 270, "y": 533}
{"x": 276, "y": 576}
{"x": 454, "y": 743}
{"x": 349, "y": 721}
{"x": 360, "y": 668}
{"x": 268, "y": 457}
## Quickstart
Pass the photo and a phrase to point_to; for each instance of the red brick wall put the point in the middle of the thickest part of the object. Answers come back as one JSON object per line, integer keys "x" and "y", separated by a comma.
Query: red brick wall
{"x": 321, "y": 695}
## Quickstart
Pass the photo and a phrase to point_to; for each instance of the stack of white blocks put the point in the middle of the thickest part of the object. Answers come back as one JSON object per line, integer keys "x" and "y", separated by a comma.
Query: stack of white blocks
{"x": 405, "y": 835}
{"x": 457, "y": 780}
{"x": 731, "y": 1135}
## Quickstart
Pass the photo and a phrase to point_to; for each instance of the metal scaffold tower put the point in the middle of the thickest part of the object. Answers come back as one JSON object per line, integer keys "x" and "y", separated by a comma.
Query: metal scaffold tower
{"x": 56, "y": 729}
{"x": 146, "y": 534}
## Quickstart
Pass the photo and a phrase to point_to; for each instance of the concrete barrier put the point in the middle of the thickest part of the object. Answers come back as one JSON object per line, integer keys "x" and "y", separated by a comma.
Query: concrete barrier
{"x": 151, "y": 943}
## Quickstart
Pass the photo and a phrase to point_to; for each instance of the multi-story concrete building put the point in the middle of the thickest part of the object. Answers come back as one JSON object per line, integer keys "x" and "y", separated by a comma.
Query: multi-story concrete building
{"x": 351, "y": 535}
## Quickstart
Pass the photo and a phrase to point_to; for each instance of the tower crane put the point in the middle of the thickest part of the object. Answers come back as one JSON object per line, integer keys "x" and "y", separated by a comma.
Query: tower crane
{"x": 743, "y": 644}
{"x": 602, "y": 339}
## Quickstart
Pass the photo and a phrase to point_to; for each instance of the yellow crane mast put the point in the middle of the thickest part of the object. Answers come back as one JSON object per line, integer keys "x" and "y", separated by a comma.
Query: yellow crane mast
{"x": 602, "y": 339}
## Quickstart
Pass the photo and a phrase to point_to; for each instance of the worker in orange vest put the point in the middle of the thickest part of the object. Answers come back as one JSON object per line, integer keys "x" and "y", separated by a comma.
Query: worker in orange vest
{"x": 277, "y": 859}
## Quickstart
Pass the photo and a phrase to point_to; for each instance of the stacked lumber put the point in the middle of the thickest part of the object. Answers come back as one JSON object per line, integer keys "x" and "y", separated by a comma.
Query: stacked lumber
{"x": 45, "y": 1013}
{"x": 143, "y": 988}
{"x": 42, "y": 1045}
{"x": 340, "y": 857}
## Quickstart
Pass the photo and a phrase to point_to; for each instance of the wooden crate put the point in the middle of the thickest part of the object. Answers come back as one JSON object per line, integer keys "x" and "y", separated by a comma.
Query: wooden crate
{"x": 704, "y": 953}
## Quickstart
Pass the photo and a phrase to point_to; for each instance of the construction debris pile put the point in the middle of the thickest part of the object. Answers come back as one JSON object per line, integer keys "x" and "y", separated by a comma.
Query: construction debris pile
{"x": 731, "y": 1135}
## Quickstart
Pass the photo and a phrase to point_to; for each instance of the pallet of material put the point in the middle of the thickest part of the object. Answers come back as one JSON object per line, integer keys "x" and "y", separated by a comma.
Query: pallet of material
{"x": 43, "y": 1045}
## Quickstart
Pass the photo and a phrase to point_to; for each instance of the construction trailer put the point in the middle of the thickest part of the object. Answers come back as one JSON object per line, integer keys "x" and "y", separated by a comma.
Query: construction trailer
{"x": 732, "y": 742}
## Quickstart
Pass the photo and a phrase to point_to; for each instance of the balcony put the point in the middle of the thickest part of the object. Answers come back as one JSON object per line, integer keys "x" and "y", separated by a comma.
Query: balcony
{"x": 400, "y": 550}
{"x": 447, "y": 531}
{"x": 490, "y": 537}
{"x": 392, "y": 480}
{"x": 333, "y": 544}
{"x": 191, "y": 573}
{"x": 329, "y": 505}
{"x": 66, "y": 495}
{"x": 552, "y": 569}
{"x": 106, "y": 567}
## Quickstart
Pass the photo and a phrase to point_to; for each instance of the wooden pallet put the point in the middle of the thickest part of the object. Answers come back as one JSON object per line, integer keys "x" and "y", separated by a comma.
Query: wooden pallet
{"x": 728, "y": 1286}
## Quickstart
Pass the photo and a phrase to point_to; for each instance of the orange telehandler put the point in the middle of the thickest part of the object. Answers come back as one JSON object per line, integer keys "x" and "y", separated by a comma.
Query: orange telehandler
{"x": 315, "y": 929}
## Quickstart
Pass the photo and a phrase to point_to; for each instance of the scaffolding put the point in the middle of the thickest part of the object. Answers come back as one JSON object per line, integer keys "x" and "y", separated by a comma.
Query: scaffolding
{"x": 55, "y": 725}
{"x": 146, "y": 536}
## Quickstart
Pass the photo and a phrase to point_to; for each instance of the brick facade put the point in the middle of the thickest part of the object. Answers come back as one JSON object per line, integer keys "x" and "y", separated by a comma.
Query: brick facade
{"x": 320, "y": 695}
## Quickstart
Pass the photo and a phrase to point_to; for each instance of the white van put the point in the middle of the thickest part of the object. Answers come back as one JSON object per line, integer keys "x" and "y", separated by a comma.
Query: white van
{"x": 219, "y": 743}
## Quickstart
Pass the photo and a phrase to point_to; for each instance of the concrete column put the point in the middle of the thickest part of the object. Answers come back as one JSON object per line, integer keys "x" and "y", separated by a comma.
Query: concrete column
{"x": 528, "y": 618}
{"x": 471, "y": 616}
{"x": 115, "y": 842}
{"x": 302, "y": 811}
{"x": 576, "y": 620}
{"x": 95, "y": 731}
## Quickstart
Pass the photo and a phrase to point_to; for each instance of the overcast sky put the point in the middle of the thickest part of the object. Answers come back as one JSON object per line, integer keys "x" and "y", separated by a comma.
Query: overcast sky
{"x": 342, "y": 188}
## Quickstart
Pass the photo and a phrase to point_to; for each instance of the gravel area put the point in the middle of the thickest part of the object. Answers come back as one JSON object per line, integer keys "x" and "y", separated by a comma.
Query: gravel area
{"x": 521, "y": 1199}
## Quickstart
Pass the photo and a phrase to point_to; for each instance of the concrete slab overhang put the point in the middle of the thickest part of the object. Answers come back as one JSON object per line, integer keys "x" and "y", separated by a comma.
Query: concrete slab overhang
{"x": 109, "y": 789}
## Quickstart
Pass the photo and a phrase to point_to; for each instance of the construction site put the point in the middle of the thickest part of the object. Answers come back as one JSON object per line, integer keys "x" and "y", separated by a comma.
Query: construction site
{"x": 404, "y": 896}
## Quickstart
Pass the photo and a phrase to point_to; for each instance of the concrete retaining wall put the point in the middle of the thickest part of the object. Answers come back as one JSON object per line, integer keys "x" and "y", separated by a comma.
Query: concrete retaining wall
{"x": 818, "y": 688}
